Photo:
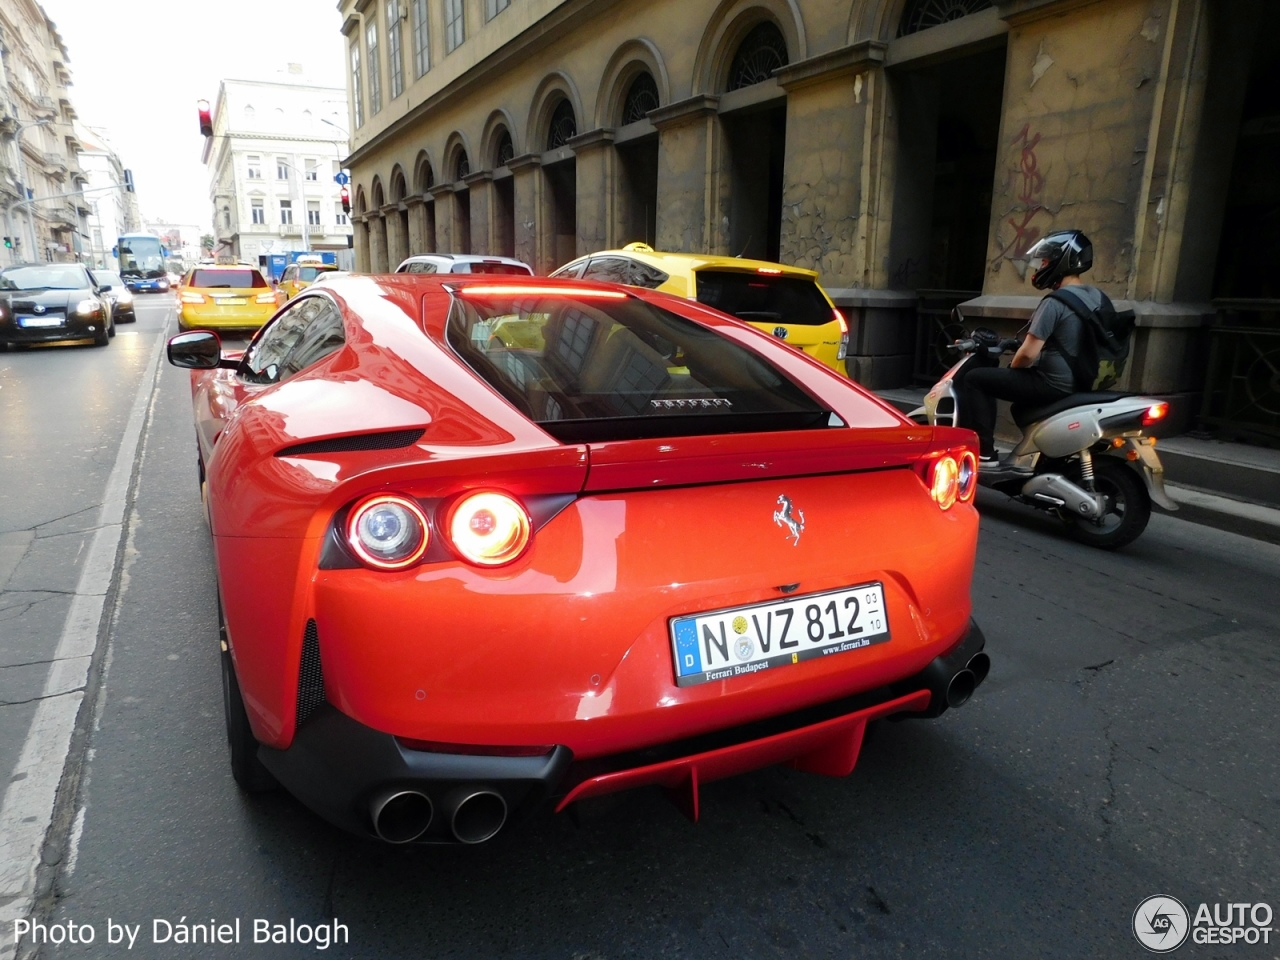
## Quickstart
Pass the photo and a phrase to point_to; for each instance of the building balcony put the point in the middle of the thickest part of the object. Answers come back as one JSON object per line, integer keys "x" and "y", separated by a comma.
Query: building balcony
{"x": 55, "y": 165}
{"x": 290, "y": 229}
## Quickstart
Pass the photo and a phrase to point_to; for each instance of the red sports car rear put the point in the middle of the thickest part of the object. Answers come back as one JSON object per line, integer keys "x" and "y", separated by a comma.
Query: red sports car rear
{"x": 481, "y": 545}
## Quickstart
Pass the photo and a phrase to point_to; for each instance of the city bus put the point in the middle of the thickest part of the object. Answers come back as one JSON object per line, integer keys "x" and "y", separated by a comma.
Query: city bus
{"x": 142, "y": 263}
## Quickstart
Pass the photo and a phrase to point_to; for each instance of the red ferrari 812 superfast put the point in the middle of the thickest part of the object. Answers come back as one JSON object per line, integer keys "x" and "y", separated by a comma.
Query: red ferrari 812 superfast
{"x": 486, "y": 545}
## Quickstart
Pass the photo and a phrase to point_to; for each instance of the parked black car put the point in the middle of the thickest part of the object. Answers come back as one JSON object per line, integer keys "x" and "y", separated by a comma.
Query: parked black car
{"x": 118, "y": 295}
{"x": 45, "y": 302}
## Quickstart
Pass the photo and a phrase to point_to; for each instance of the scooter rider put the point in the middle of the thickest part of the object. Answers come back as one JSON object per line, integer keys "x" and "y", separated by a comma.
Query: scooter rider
{"x": 1040, "y": 372}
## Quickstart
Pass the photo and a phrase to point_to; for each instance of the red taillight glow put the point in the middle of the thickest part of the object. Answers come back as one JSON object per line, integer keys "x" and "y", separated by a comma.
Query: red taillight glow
{"x": 489, "y": 529}
{"x": 944, "y": 483}
{"x": 769, "y": 271}
{"x": 512, "y": 290}
{"x": 1157, "y": 411}
{"x": 844, "y": 324}
{"x": 388, "y": 532}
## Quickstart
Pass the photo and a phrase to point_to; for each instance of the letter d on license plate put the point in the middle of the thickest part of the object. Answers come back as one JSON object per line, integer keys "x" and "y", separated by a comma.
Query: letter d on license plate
{"x": 742, "y": 640}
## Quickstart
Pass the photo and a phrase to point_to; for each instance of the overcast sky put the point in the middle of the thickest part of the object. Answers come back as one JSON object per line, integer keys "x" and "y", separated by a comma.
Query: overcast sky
{"x": 139, "y": 67}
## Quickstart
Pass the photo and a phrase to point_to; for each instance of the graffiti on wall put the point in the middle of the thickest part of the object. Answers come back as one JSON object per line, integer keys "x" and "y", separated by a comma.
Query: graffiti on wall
{"x": 1029, "y": 194}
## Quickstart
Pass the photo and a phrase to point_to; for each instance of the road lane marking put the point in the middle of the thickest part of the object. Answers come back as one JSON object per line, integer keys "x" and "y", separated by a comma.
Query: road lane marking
{"x": 32, "y": 788}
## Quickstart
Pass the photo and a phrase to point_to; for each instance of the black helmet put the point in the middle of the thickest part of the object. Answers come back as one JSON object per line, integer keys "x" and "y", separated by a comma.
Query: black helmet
{"x": 1062, "y": 253}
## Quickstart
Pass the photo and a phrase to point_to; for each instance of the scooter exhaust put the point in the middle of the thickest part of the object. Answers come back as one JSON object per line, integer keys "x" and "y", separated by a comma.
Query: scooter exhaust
{"x": 401, "y": 816}
{"x": 1055, "y": 489}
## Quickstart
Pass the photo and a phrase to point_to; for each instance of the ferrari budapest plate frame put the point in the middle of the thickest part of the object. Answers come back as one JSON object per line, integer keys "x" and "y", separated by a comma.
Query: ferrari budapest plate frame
{"x": 723, "y": 644}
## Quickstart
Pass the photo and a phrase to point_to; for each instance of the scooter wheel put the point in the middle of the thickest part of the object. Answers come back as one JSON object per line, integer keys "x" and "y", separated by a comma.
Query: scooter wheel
{"x": 1128, "y": 507}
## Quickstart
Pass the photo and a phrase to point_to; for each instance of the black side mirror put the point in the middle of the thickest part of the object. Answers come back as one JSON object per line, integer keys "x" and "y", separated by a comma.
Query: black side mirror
{"x": 104, "y": 288}
{"x": 197, "y": 350}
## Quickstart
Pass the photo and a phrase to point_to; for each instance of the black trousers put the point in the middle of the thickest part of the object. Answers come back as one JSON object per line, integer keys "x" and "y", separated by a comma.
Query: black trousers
{"x": 980, "y": 388}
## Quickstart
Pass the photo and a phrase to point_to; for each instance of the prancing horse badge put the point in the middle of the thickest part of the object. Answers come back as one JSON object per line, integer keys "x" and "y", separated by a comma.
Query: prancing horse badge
{"x": 788, "y": 516}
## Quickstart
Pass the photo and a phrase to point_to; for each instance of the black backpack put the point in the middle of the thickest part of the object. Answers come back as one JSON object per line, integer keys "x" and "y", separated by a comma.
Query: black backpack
{"x": 1104, "y": 341}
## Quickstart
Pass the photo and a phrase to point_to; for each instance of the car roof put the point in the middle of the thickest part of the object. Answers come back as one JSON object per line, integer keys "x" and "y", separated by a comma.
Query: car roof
{"x": 461, "y": 258}
{"x": 686, "y": 263}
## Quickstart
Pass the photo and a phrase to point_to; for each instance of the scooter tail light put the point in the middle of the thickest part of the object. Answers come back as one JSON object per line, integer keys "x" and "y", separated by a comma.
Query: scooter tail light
{"x": 944, "y": 481}
{"x": 1155, "y": 413}
{"x": 489, "y": 528}
{"x": 388, "y": 532}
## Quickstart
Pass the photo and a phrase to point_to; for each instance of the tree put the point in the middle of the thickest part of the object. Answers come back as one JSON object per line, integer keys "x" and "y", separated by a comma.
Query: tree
{"x": 206, "y": 242}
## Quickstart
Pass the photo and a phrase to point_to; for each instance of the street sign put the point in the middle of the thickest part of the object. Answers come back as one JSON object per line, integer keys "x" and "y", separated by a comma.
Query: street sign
{"x": 341, "y": 179}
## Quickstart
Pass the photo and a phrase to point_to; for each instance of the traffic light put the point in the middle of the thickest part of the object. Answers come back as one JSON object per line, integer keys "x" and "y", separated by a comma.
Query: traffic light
{"x": 206, "y": 120}
{"x": 128, "y": 181}
{"x": 346, "y": 200}
{"x": 8, "y": 243}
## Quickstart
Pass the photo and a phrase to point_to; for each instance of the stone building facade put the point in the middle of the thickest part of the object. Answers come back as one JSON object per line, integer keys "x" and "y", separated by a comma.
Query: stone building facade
{"x": 276, "y": 147}
{"x": 113, "y": 208}
{"x": 39, "y": 145}
{"x": 909, "y": 150}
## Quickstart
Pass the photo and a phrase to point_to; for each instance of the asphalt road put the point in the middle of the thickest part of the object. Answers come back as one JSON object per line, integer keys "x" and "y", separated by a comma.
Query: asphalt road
{"x": 1125, "y": 745}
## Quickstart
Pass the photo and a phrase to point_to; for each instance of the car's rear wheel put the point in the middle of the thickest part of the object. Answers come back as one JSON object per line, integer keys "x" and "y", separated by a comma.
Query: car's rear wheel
{"x": 246, "y": 768}
{"x": 1128, "y": 507}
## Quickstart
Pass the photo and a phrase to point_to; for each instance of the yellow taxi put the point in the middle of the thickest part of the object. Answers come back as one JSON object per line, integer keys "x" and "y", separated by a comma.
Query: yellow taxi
{"x": 225, "y": 296}
{"x": 785, "y": 301}
{"x": 300, "y": 275}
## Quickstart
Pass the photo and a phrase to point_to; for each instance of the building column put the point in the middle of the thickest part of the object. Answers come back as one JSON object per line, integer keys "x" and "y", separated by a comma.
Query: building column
{"x": 417, "y": 240}
{"x": 480, "y": 186}
{"x": 528, "y": 200}
{"x": 693, "y": 186}
{"x": 597, "y": 190}
{"x": 377, "y": 243}
{"x": 396, "y": 244}
{"x": 360, "y": 230}
{"x": 442, "y": 194}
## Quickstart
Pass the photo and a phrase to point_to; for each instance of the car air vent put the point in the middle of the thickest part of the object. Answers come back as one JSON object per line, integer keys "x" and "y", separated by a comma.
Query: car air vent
{"x": 391, "y": 440}
{"x": 310, "y": 675}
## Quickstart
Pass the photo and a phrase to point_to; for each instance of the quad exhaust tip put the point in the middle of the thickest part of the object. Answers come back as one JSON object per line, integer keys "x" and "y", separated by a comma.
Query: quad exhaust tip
{"x": 478, "y": 816}
{"x": 401, "y": 816}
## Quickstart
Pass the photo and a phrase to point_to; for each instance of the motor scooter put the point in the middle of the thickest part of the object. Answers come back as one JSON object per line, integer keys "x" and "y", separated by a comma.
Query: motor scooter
{"x": 1087, "y": 458}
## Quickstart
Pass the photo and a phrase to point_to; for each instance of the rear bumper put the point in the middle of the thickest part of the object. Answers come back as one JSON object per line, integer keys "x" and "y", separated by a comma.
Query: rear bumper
{"x": 341, "y": 768}
{"x": 226, "y": 318}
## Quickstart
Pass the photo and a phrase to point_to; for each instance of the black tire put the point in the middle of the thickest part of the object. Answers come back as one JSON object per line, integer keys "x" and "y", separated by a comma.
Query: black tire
{"x": 102, "y": 337}
{"x": 1128, "y": 507}
{"x": 111, "y": 328}
{"x": 246, "y": 768}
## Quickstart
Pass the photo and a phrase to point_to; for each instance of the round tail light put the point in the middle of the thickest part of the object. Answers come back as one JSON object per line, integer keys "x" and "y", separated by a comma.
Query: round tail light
{"x": 388, "y": 532}
{"x": 967, "y": 479}
{"x": 489, "y": 529}
{"x": 945, "y": 487}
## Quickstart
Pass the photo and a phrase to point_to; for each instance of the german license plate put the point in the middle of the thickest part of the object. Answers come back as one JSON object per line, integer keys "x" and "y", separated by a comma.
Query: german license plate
{"x": 231, "y": 301}
{"x": 47, "y": 321}
{"x": 742, "y": 640}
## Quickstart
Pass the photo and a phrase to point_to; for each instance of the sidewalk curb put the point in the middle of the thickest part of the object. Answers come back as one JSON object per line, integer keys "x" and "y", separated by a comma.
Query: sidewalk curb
{"x": 1234, "y": 516}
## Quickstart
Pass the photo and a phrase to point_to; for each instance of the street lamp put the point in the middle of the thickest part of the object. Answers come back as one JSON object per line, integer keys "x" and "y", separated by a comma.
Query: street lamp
{"x": 16, "y": 136}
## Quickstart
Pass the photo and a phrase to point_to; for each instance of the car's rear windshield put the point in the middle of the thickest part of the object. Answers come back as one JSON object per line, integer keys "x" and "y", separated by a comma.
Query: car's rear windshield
{"x": 235, "y": 279}
{"x": 308, "y": 274}
{"x": 497, "y": 269}
{"x": 763, "y": 298}
{"x": 594, "y": 368}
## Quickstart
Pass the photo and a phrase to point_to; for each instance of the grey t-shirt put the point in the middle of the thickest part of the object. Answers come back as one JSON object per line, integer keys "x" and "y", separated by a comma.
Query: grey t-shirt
{"x": 1060, "y": 329}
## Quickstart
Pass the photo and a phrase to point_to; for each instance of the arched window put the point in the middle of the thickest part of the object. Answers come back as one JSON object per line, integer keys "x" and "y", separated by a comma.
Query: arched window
{"x": 761, "y": 52}
{"x": 505, "y": 150}
{"x": 461, "y": 166}
{"x": 249, "y": 114}
{"x": 923, "y": 14}
{"x": 642, "y": 96}
{"x": 564, "y": 126}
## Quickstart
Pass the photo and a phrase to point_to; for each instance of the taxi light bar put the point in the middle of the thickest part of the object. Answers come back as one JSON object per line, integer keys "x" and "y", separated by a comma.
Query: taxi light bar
{"x": 511, "y": 290}
{"x": 1155, "y": 412}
